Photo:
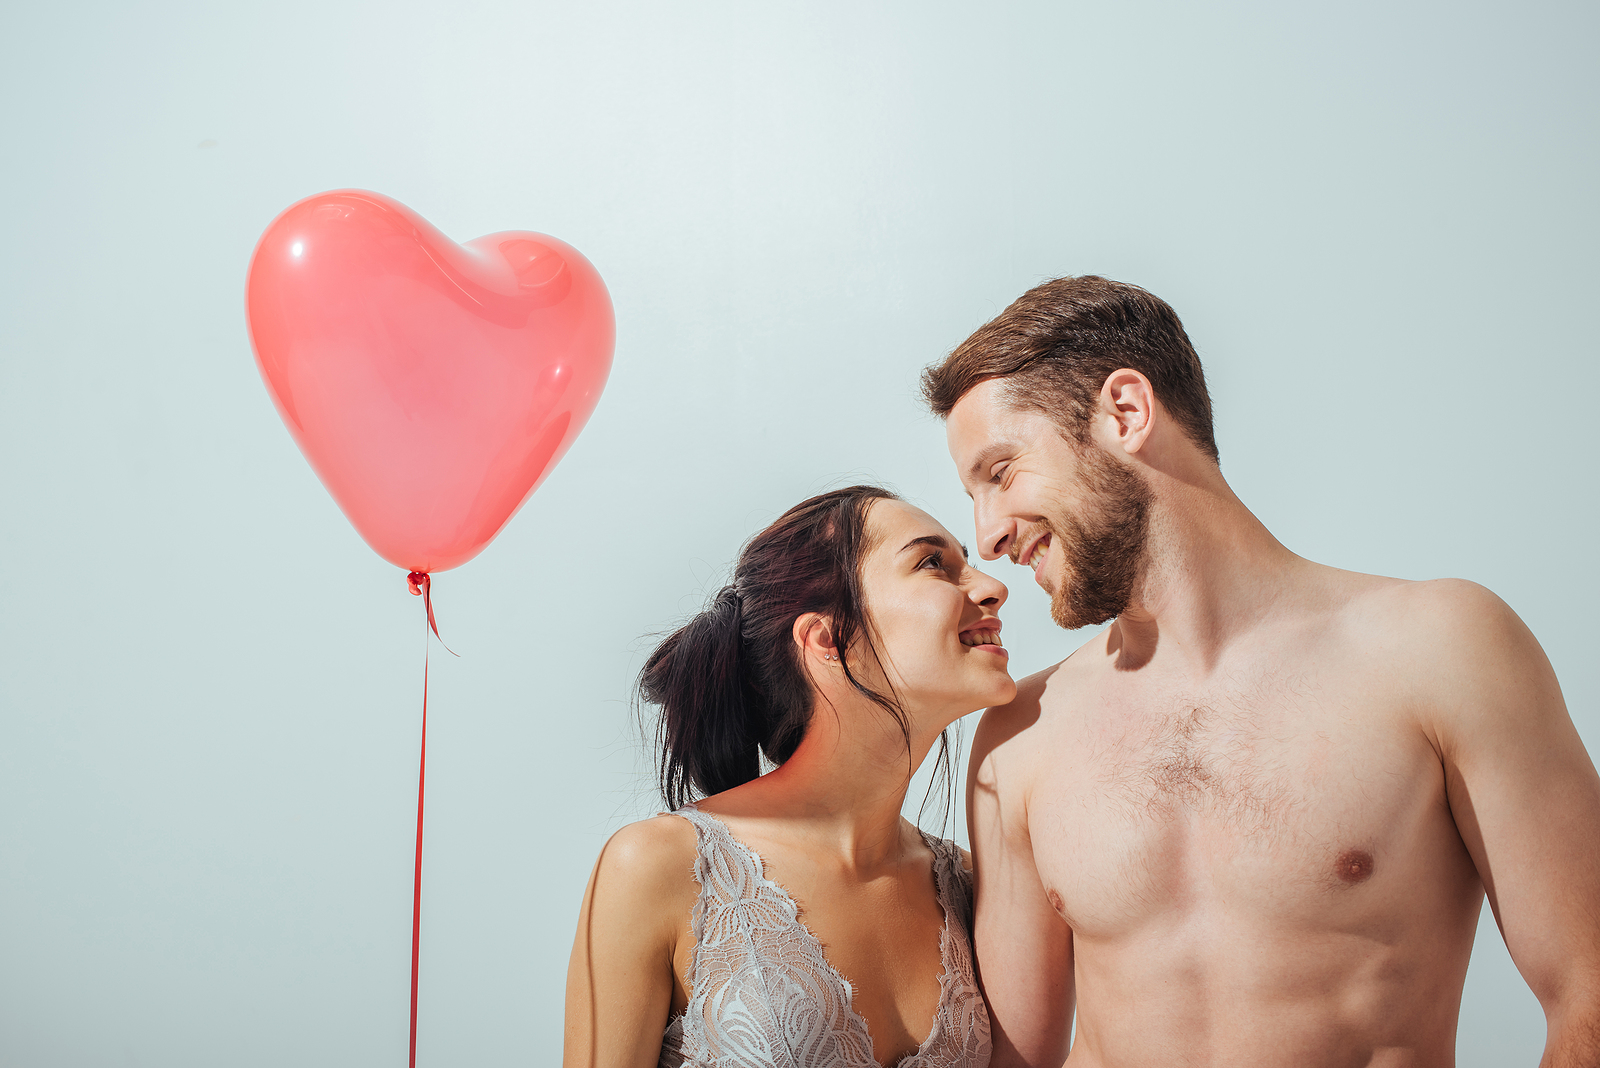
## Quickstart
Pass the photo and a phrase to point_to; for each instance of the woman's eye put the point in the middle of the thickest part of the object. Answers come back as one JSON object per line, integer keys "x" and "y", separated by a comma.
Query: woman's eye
{"x": 935, "y": 559}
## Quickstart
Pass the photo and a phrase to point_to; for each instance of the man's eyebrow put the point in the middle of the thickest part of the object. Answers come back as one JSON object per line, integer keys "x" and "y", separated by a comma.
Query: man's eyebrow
{"x": 934, "y": 540}
{"x": 986, "y": 456}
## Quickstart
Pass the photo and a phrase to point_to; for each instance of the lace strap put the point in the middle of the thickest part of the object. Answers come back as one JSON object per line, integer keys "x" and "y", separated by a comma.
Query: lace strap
{"x": 730, "y": 874}
{"x": 953, "y": 880}
{"x": 717, "y": 845}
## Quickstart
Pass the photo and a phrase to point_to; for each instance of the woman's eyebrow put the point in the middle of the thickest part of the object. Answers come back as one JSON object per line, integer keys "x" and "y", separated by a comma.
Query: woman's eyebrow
{"x": 933, "y": 540}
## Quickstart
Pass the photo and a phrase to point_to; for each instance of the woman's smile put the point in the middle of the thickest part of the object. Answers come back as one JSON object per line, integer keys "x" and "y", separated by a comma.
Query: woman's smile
{"x": 986, "y": 637}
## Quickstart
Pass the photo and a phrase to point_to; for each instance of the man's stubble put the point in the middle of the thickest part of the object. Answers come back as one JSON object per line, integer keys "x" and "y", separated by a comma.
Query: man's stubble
{"x": 1103, "y": 544}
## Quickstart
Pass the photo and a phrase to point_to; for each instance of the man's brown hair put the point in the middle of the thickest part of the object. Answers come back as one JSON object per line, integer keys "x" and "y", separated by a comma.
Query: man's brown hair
{"x": 1059, "y": 341}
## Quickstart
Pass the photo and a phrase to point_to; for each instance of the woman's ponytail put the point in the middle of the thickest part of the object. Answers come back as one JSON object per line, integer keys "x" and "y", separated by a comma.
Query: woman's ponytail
{"x": 730, "y": 683}
{"x": 710, "y": 730}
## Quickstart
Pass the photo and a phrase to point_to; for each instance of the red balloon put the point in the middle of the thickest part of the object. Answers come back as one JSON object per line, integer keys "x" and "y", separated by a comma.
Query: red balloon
{"x": 432, "y": 386}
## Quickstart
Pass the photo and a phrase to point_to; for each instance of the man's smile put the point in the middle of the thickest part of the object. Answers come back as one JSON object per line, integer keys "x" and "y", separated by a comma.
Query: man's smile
{"x": 1037, "y": 553}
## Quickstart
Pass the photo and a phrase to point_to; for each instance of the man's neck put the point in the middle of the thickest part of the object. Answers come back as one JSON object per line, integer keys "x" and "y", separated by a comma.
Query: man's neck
{"x": 1212, "y": 571}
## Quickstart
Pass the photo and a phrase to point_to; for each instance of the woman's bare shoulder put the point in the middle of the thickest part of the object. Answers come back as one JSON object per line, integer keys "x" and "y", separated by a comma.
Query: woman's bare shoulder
{"x": 661, "y": 847}
{"x": 647, "y": 869}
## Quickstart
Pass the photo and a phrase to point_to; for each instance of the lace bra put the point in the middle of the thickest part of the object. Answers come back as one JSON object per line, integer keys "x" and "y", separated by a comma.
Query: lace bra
{"x": 762, "y": 995}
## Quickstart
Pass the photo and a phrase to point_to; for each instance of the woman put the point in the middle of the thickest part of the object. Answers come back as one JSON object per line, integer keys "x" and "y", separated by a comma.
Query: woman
{"x": 853, "y": 634}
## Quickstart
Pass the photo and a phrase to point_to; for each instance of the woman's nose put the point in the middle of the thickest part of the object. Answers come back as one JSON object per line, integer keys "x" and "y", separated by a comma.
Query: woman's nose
{"x": 988, "y": 591}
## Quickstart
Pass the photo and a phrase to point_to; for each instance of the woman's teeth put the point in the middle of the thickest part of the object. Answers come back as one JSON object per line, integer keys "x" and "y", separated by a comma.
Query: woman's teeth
{"x": 982, "y": 637}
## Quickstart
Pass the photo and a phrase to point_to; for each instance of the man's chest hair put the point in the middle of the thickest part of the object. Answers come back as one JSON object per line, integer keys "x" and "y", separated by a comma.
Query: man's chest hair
{"x": 1249, "y": 750}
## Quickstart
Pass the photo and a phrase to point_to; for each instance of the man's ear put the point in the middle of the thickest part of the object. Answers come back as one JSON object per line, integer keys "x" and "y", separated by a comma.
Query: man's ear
{"x": 1127, "y": 410}
{"x": 813, "y": 633}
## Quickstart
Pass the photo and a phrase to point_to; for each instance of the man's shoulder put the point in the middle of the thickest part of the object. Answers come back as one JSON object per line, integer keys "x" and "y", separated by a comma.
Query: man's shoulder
{"x": 1439, "y": 647}
{"x": 1438, "y": 615}
{"x": 1040, "y": 696}
{"x": 1000, "y": 724}
{"x": 1452, "y": 634}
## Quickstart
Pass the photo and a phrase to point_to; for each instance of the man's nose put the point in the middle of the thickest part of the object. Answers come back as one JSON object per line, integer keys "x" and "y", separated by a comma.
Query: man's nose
{"x": 993, "y": 533}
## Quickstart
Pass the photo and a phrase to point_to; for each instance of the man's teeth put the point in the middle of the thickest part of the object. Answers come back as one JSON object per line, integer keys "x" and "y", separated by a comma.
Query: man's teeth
{"x": 1038, "y": 555}
{"x": 982, "y": 637}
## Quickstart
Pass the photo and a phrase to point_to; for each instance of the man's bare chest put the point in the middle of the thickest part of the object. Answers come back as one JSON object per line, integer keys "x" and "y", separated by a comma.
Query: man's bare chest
{"x": 1277, "y": 796}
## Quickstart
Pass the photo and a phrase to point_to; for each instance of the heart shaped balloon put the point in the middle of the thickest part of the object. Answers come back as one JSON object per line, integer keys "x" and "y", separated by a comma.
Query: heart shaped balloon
{"x": 432, "y": 386}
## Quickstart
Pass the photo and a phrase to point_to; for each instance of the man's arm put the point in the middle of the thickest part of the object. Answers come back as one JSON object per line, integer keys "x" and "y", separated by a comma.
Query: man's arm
{"x": 1024, "y": 949}
{"x": 1526, "y": 799}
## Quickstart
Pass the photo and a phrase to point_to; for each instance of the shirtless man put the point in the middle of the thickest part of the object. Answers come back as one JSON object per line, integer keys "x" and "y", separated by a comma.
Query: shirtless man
{"x": 1252, "y": 822}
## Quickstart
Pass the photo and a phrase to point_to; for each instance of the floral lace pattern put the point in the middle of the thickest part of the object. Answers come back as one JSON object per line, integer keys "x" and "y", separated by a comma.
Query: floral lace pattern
{"x": 763, "y": 995}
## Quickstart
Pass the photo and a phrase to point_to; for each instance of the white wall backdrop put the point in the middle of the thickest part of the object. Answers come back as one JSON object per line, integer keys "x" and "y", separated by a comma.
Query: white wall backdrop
{"x": 1378, "y": 221}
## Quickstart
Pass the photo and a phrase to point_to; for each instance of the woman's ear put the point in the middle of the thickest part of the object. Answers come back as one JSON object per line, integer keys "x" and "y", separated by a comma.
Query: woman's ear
{"x": 813, "y": 633}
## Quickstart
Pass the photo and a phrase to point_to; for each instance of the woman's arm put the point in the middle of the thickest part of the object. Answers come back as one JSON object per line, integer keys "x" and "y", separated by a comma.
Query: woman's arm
{"x": 621, "y": 978}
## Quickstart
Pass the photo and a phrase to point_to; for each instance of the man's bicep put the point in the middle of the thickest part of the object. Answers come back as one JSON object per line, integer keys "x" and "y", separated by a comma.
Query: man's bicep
{"x": 1526, "y": 799}
{"x": 1024, "y": 948}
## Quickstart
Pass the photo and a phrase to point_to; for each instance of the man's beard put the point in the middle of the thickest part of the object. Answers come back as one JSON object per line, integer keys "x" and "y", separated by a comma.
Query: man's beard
{"x": 1103, "y": 546}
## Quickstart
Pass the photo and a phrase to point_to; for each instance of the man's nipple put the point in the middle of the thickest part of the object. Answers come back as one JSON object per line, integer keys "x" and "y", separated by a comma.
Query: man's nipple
{"x": 1354, "y": 866}
{"x": 1055, "y": 901}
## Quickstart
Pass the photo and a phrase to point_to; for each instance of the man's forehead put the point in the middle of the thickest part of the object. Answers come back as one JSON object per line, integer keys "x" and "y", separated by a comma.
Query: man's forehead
{"x": 984, "y": 420}
{"x": 990, "y": 401}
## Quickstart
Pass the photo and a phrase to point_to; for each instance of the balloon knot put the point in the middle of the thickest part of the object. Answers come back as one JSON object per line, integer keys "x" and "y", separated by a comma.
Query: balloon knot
{"x": 417, "y": 578}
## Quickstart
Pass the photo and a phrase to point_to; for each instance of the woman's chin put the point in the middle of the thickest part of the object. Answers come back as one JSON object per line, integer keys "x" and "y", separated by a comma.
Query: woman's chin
{"x": 1004, "y": 694}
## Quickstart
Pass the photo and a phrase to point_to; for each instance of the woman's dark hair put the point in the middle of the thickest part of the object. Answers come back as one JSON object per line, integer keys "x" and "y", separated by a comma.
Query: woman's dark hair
{"x": 730, "y": 683}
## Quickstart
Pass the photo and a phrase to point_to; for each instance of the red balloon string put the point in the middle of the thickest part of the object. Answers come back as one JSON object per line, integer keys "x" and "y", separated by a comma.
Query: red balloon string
{"x": 416, "y": 885}
{"x": 421, "y": 584}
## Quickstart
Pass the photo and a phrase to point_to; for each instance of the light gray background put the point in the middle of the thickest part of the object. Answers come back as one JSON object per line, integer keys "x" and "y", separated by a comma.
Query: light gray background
{"x": 1378, "y": 222}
